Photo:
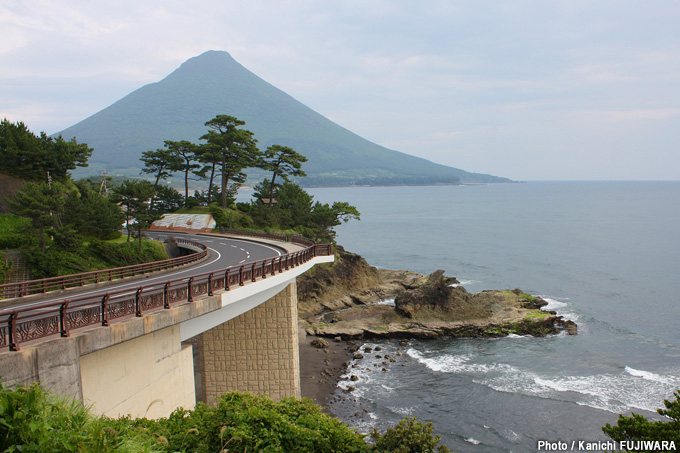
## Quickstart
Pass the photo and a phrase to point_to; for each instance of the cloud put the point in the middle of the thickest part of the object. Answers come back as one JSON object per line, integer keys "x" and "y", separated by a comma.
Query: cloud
{"x": 478, "y": 85}
{"x": 626, "y": 115}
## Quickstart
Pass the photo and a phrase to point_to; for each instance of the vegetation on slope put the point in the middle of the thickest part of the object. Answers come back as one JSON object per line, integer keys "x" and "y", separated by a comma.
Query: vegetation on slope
{"x": 61, "y": 225}
{"x": 32, "y": 420}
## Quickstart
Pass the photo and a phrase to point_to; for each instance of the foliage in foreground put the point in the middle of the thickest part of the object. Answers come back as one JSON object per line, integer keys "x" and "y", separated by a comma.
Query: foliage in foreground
{"x": 638, "y": 428}
{"x": 32, "y": 420}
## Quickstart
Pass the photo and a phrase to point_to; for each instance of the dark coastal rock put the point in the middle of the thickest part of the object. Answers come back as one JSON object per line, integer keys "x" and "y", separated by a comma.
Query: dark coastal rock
{"x": 424, "y": 307}
{"x": 436, "y": 294}
{"x": 319, "y": 343}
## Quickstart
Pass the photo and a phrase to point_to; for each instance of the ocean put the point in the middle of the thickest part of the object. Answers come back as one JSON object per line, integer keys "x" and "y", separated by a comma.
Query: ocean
{"x": 603, "y": 254}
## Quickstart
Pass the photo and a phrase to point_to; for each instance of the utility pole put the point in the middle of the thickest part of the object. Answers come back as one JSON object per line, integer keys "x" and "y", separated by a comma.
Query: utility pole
{"x": 102, "y": 186}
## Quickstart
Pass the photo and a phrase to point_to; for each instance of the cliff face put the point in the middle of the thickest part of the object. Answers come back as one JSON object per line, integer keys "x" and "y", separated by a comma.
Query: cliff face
{"x": 348, "y": 282}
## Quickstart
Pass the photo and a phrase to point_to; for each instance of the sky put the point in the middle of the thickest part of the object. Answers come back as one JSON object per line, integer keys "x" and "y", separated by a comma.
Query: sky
{"x": 525, "y": 89}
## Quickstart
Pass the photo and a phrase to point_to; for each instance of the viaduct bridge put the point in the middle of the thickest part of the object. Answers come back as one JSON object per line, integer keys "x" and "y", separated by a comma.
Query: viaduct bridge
{"x": 144, "y": 345}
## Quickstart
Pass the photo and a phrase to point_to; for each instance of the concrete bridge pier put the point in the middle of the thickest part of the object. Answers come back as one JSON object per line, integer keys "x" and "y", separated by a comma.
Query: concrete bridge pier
{"x": 255, "y": 352}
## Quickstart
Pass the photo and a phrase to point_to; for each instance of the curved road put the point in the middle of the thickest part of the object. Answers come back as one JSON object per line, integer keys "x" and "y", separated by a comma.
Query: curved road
{"x": 223, "y": 252}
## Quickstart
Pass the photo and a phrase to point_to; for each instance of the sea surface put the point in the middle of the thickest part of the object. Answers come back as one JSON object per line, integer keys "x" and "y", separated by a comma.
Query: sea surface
{"x": 604, "y": 254}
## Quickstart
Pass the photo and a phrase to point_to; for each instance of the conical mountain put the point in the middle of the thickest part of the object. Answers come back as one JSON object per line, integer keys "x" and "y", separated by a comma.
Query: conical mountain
{"x": 213, "y": 83}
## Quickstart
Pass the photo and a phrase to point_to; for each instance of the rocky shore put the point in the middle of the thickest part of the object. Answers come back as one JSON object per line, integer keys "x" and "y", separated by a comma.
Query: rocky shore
{"x": 350, "y": 300}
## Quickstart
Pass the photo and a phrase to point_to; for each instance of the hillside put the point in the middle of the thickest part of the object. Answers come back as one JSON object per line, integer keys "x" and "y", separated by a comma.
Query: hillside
{"x": 213, "y": 83}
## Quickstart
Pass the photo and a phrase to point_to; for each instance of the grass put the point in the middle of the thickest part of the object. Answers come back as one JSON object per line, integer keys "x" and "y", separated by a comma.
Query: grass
{"x": 12, "y": 229}
{"x": 10, "y": 223}
{"x": 537, "y": 315}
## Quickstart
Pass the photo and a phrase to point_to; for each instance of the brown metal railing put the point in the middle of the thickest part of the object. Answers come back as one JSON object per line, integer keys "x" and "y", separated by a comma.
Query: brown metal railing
{"x": 22, "y": 324}
{"x": 26, "y": 288}
{"x": 294, "y": 238}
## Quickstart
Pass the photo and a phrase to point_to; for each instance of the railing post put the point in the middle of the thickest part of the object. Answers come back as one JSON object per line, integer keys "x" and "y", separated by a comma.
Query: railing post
{"x": 105, "y": 310}
{"x": 252, "y": 273}
{"x": 226, "y": 279}
{"x": 138, "y": 306}
{"x": 190, "y": 290}
{"x": 12, "y": 332}
{"x": 264, "y": 264}
{"x": 63, "y": 325}
{"x": 210, "y": 288}
{"x": 240, "y": 276}
{"x": 166, "y": 295}
{"x": 273, "y": 270}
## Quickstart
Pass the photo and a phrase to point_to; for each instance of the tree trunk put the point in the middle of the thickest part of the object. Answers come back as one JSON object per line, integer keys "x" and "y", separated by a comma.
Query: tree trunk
{"x": 139, "y": 237}
{"x": 42, "y": 237}
{"x": 155, "y": 187}
{"x": 271, "y": 190}
{"x": 224, "y": 182}
{"x": 186, "y": 185}
{"x": 210, "y": 186}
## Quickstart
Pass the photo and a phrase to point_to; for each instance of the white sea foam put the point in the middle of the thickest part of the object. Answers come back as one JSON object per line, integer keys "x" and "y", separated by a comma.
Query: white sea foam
{"x": 450, "y": 363}
{"x": 405, "y": 411}
{"x": 671, "y": 380}
{"x": 462, "y": 283}
{"x": 553, "y": 304}
{"x": 473, "y": 441}
{"x": 388, "y": 301}
{"x": 514, "y": 335}
{"x": 510, "y": 435}
{"x": 557, "y": 305}
{"x": 616, "y": 393}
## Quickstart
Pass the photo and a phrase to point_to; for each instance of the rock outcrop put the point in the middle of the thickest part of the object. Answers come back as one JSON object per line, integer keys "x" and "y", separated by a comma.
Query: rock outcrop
{"x": 348, "y": 282}
{"x": 424, "y": 307}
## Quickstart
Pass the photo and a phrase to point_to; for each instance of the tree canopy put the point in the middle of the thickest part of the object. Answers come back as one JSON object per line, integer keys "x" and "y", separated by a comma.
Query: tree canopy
{"x": 25, "y": 155}
{"x": 282, "y": 161}
{"x": 231, "y": 148}
{"x": 637, "y": 428}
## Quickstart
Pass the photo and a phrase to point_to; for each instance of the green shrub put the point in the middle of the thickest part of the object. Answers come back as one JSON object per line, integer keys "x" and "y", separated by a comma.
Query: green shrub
{"x": 244, "y": 422}
{"x": 54, "y": 262}
{"x": 638, "y": 428}
{"x": 118, "y": 254}
{"x": 409, "y": 435}
{"x": 32, "y": 420}
{"x": 12, "y": 231}
{"x": 97, "y": 255}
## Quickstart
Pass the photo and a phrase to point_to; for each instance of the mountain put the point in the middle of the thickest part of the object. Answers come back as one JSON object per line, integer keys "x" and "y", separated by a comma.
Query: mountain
{"x": 213, "y": 83}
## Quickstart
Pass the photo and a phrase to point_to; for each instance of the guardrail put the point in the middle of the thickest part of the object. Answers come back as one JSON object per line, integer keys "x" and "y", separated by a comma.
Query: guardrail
{"x": 22, "y": 324}
{"x": 294, "y": 238}
{"x": 21, "y": 289}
